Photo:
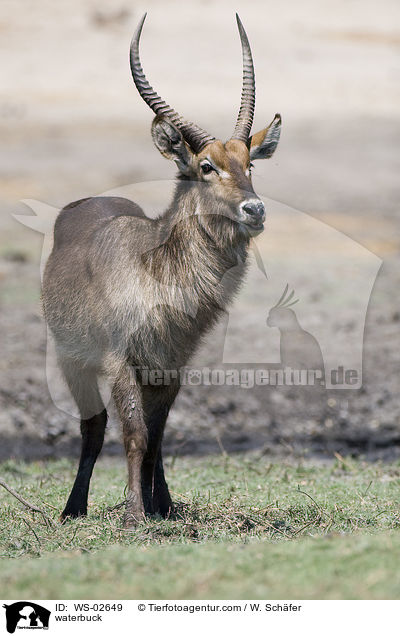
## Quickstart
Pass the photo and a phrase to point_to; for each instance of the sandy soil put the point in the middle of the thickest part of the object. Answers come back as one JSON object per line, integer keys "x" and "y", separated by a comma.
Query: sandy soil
{"x": 72, "y": 125}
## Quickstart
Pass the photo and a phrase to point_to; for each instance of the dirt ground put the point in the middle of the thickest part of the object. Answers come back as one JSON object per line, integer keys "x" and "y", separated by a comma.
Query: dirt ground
{"x": 72, "y": 125}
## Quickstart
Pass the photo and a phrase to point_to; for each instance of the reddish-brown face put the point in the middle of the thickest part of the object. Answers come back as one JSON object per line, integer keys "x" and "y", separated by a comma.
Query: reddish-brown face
{"x": 224, "y": 169}
{"x": 227, "y": 169}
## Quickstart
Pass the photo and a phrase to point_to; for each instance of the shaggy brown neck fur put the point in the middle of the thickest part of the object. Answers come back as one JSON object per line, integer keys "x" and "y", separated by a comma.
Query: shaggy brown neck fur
{"x": 199, "y": 244}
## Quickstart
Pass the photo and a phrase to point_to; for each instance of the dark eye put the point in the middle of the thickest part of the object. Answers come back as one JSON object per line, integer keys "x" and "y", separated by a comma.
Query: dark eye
{"x": 206, "y": 168}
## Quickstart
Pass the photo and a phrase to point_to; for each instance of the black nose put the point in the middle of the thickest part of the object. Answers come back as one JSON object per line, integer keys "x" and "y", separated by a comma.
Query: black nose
{"x": 254, "y": 210}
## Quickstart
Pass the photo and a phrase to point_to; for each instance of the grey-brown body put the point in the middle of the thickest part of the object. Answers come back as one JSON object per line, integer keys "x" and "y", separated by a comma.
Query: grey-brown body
{"x": 134, "y": 283}
{"x": 122, "y": 292}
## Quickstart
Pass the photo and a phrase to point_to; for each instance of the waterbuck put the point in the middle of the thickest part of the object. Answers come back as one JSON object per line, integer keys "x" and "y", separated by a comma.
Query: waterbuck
{"x": 122, "y": 291}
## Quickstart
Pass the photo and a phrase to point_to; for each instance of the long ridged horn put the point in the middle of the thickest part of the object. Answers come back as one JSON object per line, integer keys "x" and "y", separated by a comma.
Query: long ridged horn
{"x": 195, "y": 136}
{"x": 246, "y": 113}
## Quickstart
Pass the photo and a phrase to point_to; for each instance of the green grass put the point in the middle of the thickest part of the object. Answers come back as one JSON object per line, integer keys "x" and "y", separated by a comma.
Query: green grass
{"x": 361, "y": 567}
{"x": 246, "y": 528}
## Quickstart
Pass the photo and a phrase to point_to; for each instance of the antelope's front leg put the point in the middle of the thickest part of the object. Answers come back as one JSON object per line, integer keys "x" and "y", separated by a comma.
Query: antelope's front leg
{"x": 128, "y": 399}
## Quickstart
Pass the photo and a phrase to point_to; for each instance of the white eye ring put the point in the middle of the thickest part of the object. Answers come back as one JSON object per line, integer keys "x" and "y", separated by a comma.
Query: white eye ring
{"x": 206, "y": 167}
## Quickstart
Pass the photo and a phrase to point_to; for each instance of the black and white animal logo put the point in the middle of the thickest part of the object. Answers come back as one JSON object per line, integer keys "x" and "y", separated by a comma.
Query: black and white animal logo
{"x": 26, "y": 615}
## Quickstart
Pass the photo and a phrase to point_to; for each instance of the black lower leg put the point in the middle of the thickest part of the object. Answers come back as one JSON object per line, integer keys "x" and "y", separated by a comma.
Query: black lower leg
{"x": 155, "y": 427}
{"x": 156, "y": 497}
{"x": 155, "y": 493}
{"x": 162, "y": 501}
{"x": 92, "y": 431}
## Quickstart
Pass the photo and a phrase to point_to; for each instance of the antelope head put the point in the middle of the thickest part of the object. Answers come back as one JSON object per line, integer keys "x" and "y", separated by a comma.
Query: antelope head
{"x": 223, "y": 169}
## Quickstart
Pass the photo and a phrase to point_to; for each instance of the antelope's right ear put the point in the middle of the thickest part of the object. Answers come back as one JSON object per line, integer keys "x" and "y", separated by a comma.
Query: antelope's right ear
{"x": 169, "y": 141}
{"x": 263, "y": 144}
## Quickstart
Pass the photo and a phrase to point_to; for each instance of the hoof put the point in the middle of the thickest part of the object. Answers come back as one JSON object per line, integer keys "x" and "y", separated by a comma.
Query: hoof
{"x": 71, "y": 514}
{"x": 167, "y": 513}
{"x": 133, "y": 519}
{"x": 166, "y": 509}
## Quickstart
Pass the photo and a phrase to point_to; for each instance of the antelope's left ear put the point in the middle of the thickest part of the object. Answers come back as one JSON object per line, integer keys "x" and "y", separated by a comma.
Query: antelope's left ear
{"x": 263, "y": 144}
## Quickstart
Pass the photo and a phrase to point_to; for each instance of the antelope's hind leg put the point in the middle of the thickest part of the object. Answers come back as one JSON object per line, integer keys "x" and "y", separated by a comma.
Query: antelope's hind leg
{"x": 162, "y": 501}
{"x": 84, "y": 388}
{"x": 156, "y": 403}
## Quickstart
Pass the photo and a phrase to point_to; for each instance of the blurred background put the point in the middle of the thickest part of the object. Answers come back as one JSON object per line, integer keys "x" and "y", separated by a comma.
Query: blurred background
{"x": 72, "y": 125}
